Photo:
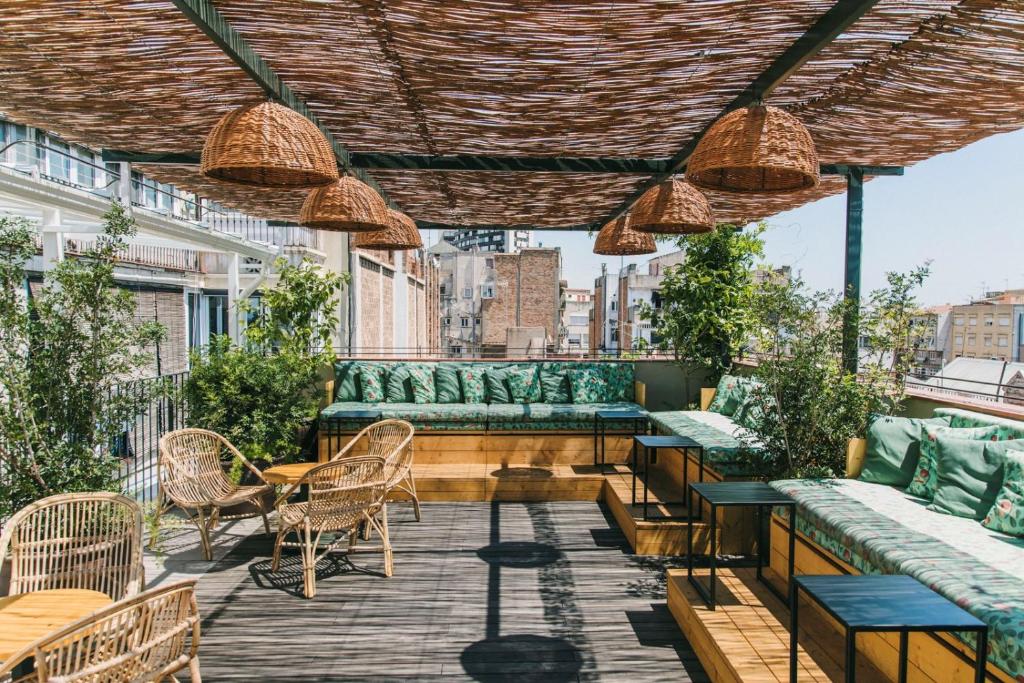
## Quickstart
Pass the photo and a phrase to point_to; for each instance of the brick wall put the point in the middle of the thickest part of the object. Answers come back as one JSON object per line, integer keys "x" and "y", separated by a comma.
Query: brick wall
{"x": 387, "y": 331}
{"x": 369, "y": 303}
{"x": 527, "y": 294}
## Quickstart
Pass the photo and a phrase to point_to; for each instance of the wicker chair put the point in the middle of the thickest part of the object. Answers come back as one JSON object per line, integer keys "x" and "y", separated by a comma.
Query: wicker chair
{"x": 343, "y": 496}
{"x": 76, "y": 540}
{"x": 145, "y": 638}
{"x": 192, "y": 477}
{"x": 391, "y": 440}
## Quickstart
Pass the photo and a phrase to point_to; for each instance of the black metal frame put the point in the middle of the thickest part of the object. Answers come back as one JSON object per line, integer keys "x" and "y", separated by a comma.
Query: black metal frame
{"x": 763, "y": 542}
{"x": 850, "y": 658}
{"x": 641, "y": 425}
{"x": 331, "y": 427}
{"x": 651, "y": 457}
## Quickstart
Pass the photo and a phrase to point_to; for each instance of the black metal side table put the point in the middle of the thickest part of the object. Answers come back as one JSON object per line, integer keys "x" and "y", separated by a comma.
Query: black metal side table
{"x": 756, "y": 494}
{"x": 637, "y": 419}
{"x": 891, "y": 603}
{"x": 331, "y": 426}
{"x": 651, "y": 443}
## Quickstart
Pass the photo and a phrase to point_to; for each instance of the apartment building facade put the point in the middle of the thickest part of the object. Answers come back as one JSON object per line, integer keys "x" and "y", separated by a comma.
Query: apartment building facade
{"x": 524, "y": 313}
{"x": 491, "y": 241}
{"x": 576, "y": 315}
{"x": 604, "y": 313}
{"x": 986, "y": 329}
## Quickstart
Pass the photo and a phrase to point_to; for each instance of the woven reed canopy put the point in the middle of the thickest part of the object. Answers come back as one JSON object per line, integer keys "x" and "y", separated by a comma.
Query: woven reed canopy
{"x": 674, "y": 207}
{"x": 755, "y": 149}
{"x": 348, "y": 205}
{"x": 618, "y": 238}
{"x": 268, "y": 145}
{"x": 907, "y": 80}
{"x": 401, "y": 233}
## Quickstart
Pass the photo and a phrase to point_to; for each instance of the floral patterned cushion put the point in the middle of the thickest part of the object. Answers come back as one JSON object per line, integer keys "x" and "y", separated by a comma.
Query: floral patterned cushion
{"x": 421, "y": 376}
{"x": 588, "y": 385}
{"x": 728, "y": 395}
{"x": 549, "y": 416}
{"x": 555, "y": 386}
{"x": 1007, "y": 513}
{"x": 441, "y": 417}
{"x": 524, "y": 383}
{"x": 619, "y": 377}
{"x": 496, "y": 380}
{"x": 926, "y": 478}
{"x": 729, "y": 449}
{"x": 372, "y": 382}
{"x": 474, "y": 390}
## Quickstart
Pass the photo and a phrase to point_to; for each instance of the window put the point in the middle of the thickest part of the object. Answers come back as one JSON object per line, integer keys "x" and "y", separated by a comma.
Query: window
{"x": 972, "y": 320}
{"x": 579, "y": 320}
{"x": 59, "y": 160}
{"x": 444, "y": 290}
{"x": 456, "y": 350}
{"x": 971, "y": 340}
{"x": 1003, "y": 341}
{"x": 988, "y": 340}
{"x": 613, "y": 305}
{"x": 86, "y": 173}
{"x": 467, "y": 293}
{"x": 959, "y": 340}
{"x": 958, "y": 320}
{"x": 478, "y": 321}
{"x": 1004, "y": 321}
{"x": 989, "y": 320}
{"x": 465, "y": 322}
{"x": 486, "y": 291}
{"x": 446, "y": 321}
{"x": 488, "y": 262}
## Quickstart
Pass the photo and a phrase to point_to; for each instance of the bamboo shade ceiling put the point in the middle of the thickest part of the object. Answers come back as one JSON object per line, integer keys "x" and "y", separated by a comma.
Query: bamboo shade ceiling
{"x": 909, "y": 80}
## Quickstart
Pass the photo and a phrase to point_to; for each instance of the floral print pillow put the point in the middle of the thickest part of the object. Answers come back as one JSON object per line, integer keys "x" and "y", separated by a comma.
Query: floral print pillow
{"x": 729, "y": 395}
{"x": 926, "y": 479}
{"x": 1007, "y": 513}
{"x": 371, "y": 380}
{"x": 524, "y": 384}
{"x": 588, "y": 385}
{"x": 474, "y": 389}
{"x": 424, "y": 389}
{"x": 620, "y": 382}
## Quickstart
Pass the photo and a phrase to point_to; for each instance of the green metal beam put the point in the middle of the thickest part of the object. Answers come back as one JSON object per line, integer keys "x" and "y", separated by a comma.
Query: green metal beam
{"x": 831, "y": 24}
{"x": 205, "y": 16}
{"x": 851, "y": 278}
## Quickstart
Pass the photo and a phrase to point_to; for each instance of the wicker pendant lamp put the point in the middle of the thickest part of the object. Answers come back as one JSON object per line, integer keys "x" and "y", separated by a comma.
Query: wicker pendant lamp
{"x": 755, "y": 149}
{"x": 268, "y": 145}
{"x": 617, "y": 238}
{"x": 348, "y": 204}
{"x": 674, "y": 207}
{"x": 401, "y": 233}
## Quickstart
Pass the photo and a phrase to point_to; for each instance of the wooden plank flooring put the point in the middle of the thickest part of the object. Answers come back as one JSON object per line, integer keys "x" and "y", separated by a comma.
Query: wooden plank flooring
{"x": 481, "y": 591}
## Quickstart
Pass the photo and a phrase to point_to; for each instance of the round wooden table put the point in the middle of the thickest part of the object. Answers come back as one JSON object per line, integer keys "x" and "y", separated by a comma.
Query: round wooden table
{"x": 288, "y": 474}
{"x": 27, "y": 617}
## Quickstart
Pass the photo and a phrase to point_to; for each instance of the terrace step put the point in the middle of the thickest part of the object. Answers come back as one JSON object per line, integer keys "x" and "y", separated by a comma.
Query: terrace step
{"x": 482, "y": 481}
{"x": 746, "y": 638}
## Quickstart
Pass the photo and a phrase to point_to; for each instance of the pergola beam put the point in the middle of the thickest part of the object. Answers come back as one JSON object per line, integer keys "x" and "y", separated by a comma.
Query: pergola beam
{"x": 205, "y": 16}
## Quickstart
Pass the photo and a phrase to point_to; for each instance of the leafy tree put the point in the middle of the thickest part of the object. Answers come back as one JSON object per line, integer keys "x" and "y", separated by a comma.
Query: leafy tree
{"x": 64, "y": 354}
{"x": 705, "y": 309}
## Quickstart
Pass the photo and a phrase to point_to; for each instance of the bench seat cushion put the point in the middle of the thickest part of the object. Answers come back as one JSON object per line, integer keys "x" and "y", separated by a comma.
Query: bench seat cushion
{"x": 728, "y": 447}
{"x": 880, "y": 529}
{"x": 471, "y": 417}
{"x": 548, "y": 417}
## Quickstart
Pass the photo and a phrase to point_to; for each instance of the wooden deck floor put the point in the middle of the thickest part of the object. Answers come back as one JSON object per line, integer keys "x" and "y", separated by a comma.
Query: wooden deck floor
{"x": 481, "y": 591}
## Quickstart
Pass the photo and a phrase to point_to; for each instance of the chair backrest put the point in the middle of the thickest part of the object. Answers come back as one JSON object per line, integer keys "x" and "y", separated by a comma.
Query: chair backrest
{"x": 341, "y": 491}
{"x": 191, "y": 470}
{"x": 392, "y": 441}
{"x": 76, "y": 540}
{"x": 143, "y": 638}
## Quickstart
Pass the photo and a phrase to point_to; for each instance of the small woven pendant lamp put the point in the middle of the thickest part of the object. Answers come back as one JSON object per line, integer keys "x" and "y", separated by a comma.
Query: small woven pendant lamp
{"x": 617, "y": 238}
{"x": 401, "y": 233}
{"x": 268, "y": 145}
{"x": 673, "y": 207}
{"x": 755, "y": 149}
{"x": 348, "y": 204}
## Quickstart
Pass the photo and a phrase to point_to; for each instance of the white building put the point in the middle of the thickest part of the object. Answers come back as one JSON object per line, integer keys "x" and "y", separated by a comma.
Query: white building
{"x": 576, "y": 311}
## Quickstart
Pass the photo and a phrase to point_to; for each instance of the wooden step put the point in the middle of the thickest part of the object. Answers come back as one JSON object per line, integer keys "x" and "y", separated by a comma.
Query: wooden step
{"x": 746, "y": 638}
{"x": 480, "y": 481}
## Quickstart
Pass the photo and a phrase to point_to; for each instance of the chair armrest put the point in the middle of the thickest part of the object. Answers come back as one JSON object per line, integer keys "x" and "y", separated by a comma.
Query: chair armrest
{"x": 245, "y": 461}
{"x": 855, "y": 451}
{"x": 707, "y": 395}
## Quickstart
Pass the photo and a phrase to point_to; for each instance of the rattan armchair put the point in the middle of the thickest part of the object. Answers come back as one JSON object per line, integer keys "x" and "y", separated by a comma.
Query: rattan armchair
{"x": 343, "y": 496}
{"x": 192, "y": 477}
{"x": 393, "y": 441}
{"x": 76, "y": 540}
{"x": 148, "y": 637}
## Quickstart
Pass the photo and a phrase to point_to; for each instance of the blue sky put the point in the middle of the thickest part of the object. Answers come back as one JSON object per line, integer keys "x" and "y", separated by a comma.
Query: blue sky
{"x": 964, "y": 211}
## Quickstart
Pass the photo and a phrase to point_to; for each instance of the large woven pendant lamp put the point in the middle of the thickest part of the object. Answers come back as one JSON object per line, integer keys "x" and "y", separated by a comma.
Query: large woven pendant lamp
{"x": 755, "y": 149}
{"x": 268, "y": 145}
{"x": 673, "y": 207}
{"x": 401, "y": 233}
{"x": 348, "y": 204}
{"x": 617, "y": 238}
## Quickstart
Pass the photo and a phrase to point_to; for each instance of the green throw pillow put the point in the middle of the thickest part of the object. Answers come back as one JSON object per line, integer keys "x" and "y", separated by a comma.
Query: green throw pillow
{"x": 893, "y": 449}
{"x": 970, "y": 475}
{"x": 497, "y": 385}
{"x": 346, "y": 382}
{"x": 424, "y": 388}
{"x": 620, "y": 382}
{"x": 926, "y": 475}
{"x": 588, "y": 385}
{"x": 729, "y": 395}
{"x": 399, "y": 386}
{"x": 474, "y": 389}
{"x": 524, "y": 384}
{"x": 446, "y": 379}
{"x": 556, "y": 386}
{"x": 1007, "y": 513}
{"x": 371, "y": 381}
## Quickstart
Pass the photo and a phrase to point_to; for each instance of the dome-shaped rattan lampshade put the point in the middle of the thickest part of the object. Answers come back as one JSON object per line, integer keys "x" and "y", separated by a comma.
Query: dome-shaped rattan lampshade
{"x": 268, "y": 145}
{"x": 348, "y": 204}
{"x": 673, "y": 207}
{"x": 400, "y": 234}
{"x": 755, "y": 149}
{"x": 617, "y": 238}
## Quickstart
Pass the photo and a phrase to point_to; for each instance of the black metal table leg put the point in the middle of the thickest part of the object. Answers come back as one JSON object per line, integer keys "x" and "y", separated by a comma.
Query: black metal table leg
{"x": 902, "y": 676}
{"x": 596, "y": 419}
{"x": 794, "y": 606}
{"x": 792, "y": 548}
{"x": 713, "y": 555}
{"x": 647, "y": 478}
{"x": 632, "y": 499}
{"x": 981, "y": 656}
{"x": 851, "y": 656}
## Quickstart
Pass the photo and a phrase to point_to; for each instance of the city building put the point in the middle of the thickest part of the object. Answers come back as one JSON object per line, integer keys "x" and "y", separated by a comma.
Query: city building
{"x": 636, "y": 291}
{"x": 604, "y": 316}
{"x": 576, "y": 312}
{"x": 522, "y": 303}
{"x": 986, "y": 329}
{"x": 930, "y": 329}
{"x": 978, "y": 380}
{"x": 500, "y": 241}
{"x": 465, "y": 279}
